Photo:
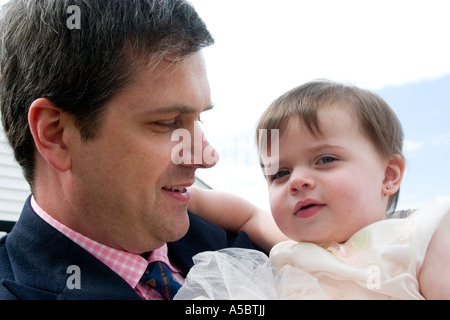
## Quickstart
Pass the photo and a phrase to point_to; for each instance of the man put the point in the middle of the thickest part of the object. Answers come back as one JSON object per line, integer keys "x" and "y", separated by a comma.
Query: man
{"x": 91, "y": 92}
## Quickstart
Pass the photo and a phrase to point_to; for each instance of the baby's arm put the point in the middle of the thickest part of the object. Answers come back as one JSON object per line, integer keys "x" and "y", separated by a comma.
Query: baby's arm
{"x": 235, "y": 214}
{"x": 434, "y": 276}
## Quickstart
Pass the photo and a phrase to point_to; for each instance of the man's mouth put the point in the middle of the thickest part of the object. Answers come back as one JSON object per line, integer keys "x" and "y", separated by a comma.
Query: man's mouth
{"x": 178, "y": 189}
{"x": 179, "y": 193}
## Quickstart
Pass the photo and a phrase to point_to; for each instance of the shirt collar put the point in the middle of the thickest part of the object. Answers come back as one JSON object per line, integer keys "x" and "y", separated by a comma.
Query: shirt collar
{"x": 128, "y": 266}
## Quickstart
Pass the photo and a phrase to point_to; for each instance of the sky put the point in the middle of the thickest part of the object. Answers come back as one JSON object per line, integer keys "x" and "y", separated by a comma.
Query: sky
{"x": 264, "y": 48}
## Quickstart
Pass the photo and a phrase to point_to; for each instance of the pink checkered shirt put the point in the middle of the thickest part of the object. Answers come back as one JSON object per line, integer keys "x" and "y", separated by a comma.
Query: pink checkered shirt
{"x": 128, "y": 266}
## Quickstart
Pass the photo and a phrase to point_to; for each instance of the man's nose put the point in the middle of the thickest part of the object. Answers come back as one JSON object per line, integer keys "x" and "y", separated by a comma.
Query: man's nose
{"x": 204, "y": 155}
{"x": 194, "y": 150}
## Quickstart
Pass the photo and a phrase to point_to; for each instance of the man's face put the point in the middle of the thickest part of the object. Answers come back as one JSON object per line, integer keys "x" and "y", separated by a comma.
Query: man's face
{"x": 124, "y": 180}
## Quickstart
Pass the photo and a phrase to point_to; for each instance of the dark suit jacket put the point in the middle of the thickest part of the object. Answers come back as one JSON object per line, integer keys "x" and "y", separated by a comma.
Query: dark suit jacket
{"x": 34, "y": 259}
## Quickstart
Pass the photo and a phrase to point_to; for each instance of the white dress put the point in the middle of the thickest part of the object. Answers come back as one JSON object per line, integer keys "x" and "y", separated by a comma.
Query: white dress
{"x": 381, "y": 261}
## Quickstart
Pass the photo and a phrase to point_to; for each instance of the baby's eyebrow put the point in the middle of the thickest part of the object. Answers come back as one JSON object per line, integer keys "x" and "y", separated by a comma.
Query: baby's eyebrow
{"x": 322, "y": 147}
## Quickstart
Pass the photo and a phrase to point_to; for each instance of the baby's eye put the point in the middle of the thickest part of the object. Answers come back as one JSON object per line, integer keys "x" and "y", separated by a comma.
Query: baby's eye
{"x": 326, "y": 159}
{"x": 280, "y": 174}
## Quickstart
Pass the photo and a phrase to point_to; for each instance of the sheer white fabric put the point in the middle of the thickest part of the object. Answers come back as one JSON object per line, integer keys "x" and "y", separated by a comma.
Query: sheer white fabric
{"x": 229, "y": 274}
{"x": 381, "y": 261}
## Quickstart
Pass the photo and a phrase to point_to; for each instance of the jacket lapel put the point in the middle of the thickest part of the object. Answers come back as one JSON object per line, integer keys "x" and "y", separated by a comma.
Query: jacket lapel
{"x": 42, "y": 261}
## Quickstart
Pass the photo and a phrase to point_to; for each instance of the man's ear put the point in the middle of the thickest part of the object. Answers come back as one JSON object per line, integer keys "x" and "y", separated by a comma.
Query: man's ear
{"x": 394, "y": 174}
{"x": 48, "y": 124}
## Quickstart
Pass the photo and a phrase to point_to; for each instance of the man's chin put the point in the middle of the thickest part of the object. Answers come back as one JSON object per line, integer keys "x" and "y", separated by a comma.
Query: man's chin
{"x": 179, "y": 229}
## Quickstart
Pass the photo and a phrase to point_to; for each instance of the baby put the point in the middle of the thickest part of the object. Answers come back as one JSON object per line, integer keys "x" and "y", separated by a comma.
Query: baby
{"x": 339, "y": 170}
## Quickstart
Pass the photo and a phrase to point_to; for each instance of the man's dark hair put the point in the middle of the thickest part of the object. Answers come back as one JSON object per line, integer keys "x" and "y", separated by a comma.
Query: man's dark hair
{"x": 79, "y": 66}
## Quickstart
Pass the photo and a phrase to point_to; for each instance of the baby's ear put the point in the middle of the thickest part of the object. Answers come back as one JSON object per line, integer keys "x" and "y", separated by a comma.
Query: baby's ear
{"x": 394, "y": 174}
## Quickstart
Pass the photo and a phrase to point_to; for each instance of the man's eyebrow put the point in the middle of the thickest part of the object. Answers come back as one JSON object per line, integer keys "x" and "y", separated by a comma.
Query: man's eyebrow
{"x": 209, "y": 107}
{"x": 179, "y": 109}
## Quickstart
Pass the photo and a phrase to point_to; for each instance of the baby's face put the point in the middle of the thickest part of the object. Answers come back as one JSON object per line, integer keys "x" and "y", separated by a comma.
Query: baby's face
{"x": 327, "y": 186}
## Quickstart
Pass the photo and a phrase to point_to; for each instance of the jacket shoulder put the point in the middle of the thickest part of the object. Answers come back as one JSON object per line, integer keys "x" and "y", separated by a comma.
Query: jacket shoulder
{"x": 33, "y": 245}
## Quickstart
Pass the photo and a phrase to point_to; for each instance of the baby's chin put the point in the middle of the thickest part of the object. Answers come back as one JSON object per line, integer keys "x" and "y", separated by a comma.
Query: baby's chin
{"x": 324, "y": 242}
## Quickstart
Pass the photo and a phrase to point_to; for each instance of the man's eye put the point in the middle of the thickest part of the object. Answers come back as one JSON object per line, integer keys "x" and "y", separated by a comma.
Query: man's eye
{"x": 167, "y": 124}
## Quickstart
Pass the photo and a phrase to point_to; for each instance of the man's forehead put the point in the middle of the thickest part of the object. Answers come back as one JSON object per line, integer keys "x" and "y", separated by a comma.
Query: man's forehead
{"x": 171, "y": 87}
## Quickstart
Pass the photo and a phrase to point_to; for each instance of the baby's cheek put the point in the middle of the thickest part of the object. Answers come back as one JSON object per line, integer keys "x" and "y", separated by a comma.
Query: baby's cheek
{"x": 279, "y": 212}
